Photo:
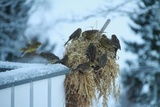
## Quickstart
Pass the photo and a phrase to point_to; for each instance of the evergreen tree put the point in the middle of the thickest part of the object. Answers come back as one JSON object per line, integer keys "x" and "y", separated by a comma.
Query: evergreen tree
{"x": 13, "y": 19}
{"x": 142, "y": 85}
{"x": 147, "y": 26}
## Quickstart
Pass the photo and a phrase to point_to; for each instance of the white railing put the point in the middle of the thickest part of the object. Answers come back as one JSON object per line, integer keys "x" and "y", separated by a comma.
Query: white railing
{"x": 43, "y": 88}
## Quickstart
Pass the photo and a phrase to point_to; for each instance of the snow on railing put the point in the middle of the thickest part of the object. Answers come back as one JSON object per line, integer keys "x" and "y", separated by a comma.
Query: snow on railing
{"x": 32, "y": 85}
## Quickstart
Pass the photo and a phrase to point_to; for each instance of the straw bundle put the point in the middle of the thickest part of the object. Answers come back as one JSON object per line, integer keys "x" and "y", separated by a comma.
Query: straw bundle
{"x": 81, "y": 86}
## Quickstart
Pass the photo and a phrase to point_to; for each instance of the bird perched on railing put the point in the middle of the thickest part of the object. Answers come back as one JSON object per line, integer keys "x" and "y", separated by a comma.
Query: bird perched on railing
{"x": 75, "y": 35}
{"x": 50, "y": 57}
{"x": 91, "y": 52}
{"x": 90, "y": 34}
{"x": 30, "y": 48}
{"x": 64, "y": 60}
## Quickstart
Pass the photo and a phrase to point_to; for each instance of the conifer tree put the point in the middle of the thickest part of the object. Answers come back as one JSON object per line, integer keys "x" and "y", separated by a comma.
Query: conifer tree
{"x": 142, "y": 85}
{"x": 147, "y": 26}
{"x": 13, "y": 19}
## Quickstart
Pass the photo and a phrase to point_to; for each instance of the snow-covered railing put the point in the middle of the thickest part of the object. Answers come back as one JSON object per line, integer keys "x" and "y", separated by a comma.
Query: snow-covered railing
{"x": 32, "y": 85}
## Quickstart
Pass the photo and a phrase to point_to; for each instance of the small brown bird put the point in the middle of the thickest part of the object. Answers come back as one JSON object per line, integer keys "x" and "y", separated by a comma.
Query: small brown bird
{"x": 75, "y": 35}
{"x": 83, "y": 67}
{"x": 96, "y": 68}
{"x": 50, "y": 57}
{"x": 116, "y": 43}
{"x": 104, "y": 36}
{"x": 91, "y": 52}
{"x": 64, "y": 60}
{"x": 90, "y": 34}
{"x": 103, "y": 60}
{"x": 30, "y": 48}
{"x": 105, "y": 42}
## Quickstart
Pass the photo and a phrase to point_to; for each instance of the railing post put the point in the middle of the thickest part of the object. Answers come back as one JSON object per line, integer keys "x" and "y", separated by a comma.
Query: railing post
{"x": 12, "y": 96}
{"x": 31, "y": 94}
{"x": 49, "y": 92}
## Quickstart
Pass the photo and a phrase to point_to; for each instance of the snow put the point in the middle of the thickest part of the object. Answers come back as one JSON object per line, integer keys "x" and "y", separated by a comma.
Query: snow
{"x": 15, "y": 65}
{"x": 23, "y": 71}
{"x": 145, "y": 89}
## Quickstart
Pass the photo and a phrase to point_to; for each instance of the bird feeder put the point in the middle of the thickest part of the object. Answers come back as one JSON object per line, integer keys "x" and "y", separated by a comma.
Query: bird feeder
{"x": 92, "y": 75}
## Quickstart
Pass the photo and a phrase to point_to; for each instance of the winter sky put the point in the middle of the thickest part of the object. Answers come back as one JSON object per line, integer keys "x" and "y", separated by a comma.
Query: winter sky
{"x": 47, "y": 11}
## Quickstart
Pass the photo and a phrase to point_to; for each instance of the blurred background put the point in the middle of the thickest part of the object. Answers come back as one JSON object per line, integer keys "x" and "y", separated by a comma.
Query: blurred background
{"x": 135, "y": 22}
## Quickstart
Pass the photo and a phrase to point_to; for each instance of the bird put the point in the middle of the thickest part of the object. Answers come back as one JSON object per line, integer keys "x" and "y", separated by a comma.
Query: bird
{"x": 102, "y": 60}
{"x": 96, "y": 68}
{"x": 64, "y": 60}
{"x": 91, "y": 52}
{"x": 75, "y": 35}
{"x": 116, "y": 41}
{"x": 116, "y": 44}
{"x": 105, "y": 41}
{"x": 104, "y": 36}
{"x": 52, "y": 58}
{"x": 82, "y": 67}
{"x": 30, "y": 48}
{"x": 90, "y": 34}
